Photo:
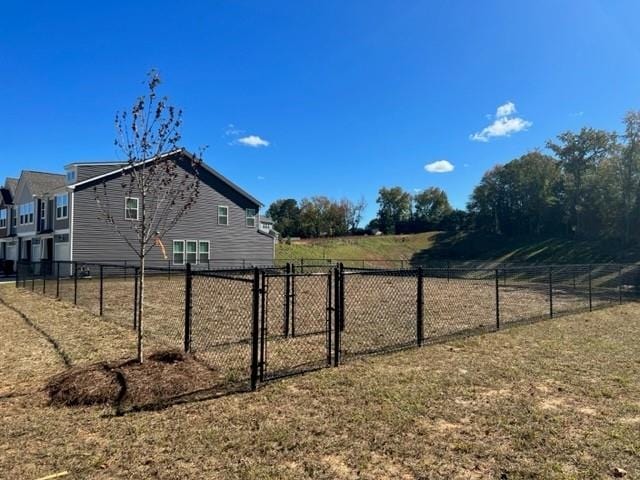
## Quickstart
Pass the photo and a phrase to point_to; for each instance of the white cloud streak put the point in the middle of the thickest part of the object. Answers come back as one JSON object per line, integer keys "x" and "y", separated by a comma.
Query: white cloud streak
{"x": 505, "y": 110}
{"x": 253, "y": 141}
{"x": 504, "y": 125}
{"x": 440, "y": 166}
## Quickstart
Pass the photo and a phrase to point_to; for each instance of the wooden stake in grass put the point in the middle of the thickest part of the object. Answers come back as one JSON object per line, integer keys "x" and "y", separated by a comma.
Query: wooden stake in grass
{"x": 157, "y": 192}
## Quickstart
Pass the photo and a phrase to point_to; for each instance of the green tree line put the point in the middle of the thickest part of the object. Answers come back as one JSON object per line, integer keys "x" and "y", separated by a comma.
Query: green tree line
{"x": 585, "y": 184}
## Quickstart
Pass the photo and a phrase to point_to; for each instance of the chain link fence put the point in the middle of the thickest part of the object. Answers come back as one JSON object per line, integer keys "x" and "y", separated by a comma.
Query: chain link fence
{"x": 256, "y": 324}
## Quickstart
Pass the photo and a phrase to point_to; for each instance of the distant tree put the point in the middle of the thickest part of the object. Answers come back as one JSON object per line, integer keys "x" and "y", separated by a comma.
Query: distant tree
{"x": 627, "y": 165}
{"x": 455, "y": 220}
{"x": 579, "y": 154}
{"x": 286, "y": 216}
{"x": 431, "y": 206}
{"x": 164, "y": 190}
{"x": 522, "y": 197}
{"x": 354, "y": 212}
{"x": 394, "y": 207}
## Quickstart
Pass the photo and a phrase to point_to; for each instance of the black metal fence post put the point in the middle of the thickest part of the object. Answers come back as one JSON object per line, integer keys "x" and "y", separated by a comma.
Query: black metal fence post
{"x": 136, "y": 271}
{"x": 17, "y": 267}
{"x": 620, "y": 284}
{"x": 497, "y": 275}
{"x": 448, "y": 271}
{"x": 33, "y": 277}
{"x": 188, "y": 285}
{"x": 342, "y": 299}
{"x": 420, "y": 308}
{"x": 101, "y": 289}
{"x": 43, "y": 272}
{"x": 57, "y": 279}
{"x": 330, "y": 313}
{"x": 255, "y": 316}
{"x": 550, "y": 292}
{"x": 590, "y": 293}
{"x": 292, "y": 303}
{"x": 75, "y": 283}
{"x": 287, "y": 299}
{"x": 336, "y": 318}
{"x": 263, "y": 326}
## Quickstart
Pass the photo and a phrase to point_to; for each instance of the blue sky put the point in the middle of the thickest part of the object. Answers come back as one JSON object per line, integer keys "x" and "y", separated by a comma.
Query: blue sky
{"x": 349, "y": 95}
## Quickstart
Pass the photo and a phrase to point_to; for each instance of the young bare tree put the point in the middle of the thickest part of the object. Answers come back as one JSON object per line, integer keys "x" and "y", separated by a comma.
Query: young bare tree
{"x": 158, "y": 190}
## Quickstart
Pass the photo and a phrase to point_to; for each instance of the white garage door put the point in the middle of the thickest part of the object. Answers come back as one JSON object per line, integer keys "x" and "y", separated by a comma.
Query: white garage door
{"x": 62, "y": 253}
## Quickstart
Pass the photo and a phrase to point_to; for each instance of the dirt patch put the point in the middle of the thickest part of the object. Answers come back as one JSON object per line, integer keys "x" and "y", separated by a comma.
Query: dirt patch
{"x": 163, "y": 376}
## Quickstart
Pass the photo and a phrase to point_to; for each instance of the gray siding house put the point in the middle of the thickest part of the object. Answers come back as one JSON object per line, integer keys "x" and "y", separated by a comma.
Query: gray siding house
{"x": 57, "y": 218}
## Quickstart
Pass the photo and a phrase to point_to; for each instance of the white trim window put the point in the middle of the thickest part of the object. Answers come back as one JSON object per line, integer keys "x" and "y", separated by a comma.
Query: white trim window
{"x": 178, "y": 252}
{"x": 250, "y": 217}
{"x": 43, "y": 214}
{"x": 71, "y": 176}
{"x": 191, "y": 252}
{"x": 223, "y": 215}
{"x": 26, "y": 213}
{"x": 131, "y": 208}
{"x": 3, "y": 218}
{"x": 203, "y": 251}
{"x": 62, "y": 206}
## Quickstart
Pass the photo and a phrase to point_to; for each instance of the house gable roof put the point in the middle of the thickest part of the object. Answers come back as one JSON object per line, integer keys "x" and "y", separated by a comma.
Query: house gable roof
{"x": 181, "y": 151}
{"x": 38, "y": 183}
{"x": 11, "y": 184}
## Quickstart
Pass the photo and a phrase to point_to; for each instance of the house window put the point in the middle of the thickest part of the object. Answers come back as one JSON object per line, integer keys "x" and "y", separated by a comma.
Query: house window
{"x": 250, "y": 217}
{"x": 14, "y": 217}
{"x": 203, "y": 251}
{"x": 71, "y": 176}
{"x": 178, "y": 252}
{"x": 26, "y": 213}
{"x": 3, "y": 218}
{"x": 192, "y": 248}
{"x": 131, "y": 209}
{"x": 223, "y": 215}
{"x": 62, "y": 206}
{"x": 43, "y": 214}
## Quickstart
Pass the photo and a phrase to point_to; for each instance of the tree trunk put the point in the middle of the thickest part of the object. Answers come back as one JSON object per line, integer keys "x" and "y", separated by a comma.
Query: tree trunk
{"x": 141, "y": 311}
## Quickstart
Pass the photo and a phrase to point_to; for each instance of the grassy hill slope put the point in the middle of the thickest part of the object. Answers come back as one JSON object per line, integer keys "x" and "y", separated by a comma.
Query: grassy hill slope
{"x": 367, "y": 248}
{"x": 433, "y": 247}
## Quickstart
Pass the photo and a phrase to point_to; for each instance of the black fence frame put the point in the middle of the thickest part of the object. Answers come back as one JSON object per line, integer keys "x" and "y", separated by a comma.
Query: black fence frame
{"x": 623, "y": 281}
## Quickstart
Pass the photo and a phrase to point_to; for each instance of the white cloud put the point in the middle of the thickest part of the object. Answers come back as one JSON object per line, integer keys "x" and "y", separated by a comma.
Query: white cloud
{"x": 441, "y": 166}
{"x": 232, "y": 131}
{"x": 504, "y": 124}
{"x": 505, "y": 110}
{"x": 253, "y": 141}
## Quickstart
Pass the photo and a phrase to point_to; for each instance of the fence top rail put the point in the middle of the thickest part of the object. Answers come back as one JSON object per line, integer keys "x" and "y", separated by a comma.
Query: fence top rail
{"x": 220, "y": 276}
{"x": 404, "y": 272}
{"x": 297, "y": 274}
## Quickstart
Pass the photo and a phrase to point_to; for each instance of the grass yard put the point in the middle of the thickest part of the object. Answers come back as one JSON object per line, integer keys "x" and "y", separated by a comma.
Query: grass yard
{"x": 554, "y": 399}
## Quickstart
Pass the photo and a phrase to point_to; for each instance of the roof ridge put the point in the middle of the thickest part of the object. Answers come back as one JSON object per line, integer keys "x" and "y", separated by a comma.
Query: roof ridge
{"x": 43, "y": 173}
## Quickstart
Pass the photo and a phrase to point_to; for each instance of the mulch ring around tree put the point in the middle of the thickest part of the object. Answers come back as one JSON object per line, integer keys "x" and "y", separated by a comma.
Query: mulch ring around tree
{"x": 160, "y": 379}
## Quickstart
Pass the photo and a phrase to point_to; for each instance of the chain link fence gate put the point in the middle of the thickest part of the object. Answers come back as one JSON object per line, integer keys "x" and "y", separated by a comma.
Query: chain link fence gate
{"x": 296, "y": 312}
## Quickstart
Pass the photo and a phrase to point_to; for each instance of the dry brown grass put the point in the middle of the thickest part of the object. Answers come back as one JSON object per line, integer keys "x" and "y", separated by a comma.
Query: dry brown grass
{"x": 555, "y": 399}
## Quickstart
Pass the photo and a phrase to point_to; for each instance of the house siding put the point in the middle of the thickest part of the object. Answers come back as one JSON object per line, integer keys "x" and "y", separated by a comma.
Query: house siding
{"x": 24, "y": 196}
{"x": 95, "y": 241}
{"x": 85, "y": 172}
{"x": 62, "y": 224}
